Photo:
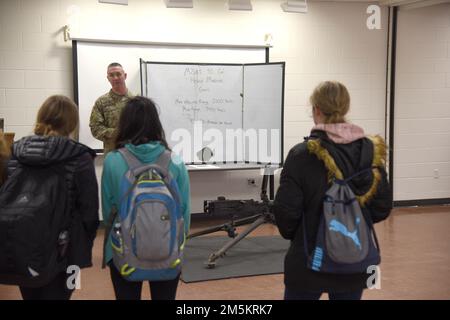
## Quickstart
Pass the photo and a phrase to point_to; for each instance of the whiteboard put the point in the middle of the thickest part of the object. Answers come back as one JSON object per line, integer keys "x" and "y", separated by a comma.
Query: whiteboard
{"x": 197, "y": 100}
{"x": 91, "y": 58}
{"x": 236, "y": 111}
{"x": 263, "y": 101}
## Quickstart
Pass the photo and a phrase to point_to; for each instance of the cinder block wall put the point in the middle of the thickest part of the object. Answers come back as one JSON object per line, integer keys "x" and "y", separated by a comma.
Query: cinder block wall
{"x": 331, "y": 41}
{"x": 422, "y": 105}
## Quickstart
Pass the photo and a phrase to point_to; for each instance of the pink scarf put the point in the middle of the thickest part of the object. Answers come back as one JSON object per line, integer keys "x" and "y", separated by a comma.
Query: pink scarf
{"x": 341, "y": 133}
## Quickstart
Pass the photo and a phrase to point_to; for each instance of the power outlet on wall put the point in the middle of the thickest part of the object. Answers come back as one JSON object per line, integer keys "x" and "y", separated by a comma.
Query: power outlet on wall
{"x": 436, "y": 173}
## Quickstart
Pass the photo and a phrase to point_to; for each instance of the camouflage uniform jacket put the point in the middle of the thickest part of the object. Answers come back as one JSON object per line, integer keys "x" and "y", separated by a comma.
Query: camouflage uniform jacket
{"x": 105, "y": 117}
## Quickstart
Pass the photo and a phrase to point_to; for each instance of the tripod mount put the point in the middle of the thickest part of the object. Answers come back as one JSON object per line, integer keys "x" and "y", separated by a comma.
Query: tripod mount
{"x": 260, "y": 213}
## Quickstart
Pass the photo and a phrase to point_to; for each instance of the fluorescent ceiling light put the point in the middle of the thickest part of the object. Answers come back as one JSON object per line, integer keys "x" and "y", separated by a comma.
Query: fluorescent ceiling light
{"x": 239, "y": 4}
{"x": 179, "y": 3}
{"x": 295, "y": 6}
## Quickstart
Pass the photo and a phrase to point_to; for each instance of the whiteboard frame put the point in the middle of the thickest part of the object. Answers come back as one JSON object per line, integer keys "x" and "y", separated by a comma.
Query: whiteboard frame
{"x": 174, "y": 44}
{"x": 264, "y": 49}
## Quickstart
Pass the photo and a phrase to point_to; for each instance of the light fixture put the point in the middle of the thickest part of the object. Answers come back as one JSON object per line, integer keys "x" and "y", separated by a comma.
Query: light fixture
{"x": 268, "y": 38}
{"x": 299, "y": 6}
{"x": 239, "y": 5}
{"x": 66, "y": 32}
{"x": 179, "y": 3}
{"x": 125, "y": 2}
{"x": 73, "y": 19}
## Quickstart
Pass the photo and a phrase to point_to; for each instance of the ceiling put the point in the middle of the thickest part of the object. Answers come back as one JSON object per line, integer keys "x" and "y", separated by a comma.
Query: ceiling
{"x": 246, "y": 4}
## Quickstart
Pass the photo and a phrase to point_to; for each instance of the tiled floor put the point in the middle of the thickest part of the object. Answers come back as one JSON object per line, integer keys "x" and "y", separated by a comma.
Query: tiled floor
{"x": 415, "y": 244}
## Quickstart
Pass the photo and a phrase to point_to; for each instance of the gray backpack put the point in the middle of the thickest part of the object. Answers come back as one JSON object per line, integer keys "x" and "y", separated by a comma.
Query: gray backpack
{"x": 147, "y": 230}
{"x": 346, "y": 241}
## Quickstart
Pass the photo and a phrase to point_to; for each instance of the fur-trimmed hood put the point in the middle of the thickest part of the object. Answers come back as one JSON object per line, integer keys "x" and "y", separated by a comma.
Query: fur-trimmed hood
{"x": 343, "y": 160}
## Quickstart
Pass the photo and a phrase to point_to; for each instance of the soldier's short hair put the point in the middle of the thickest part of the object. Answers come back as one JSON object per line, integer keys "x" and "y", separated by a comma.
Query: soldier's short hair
{"x": 114, "y": 64}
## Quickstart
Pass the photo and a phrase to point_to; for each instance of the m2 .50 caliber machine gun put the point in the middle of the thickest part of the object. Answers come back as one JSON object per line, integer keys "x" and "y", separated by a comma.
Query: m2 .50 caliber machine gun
{"x": 259, "y": 212}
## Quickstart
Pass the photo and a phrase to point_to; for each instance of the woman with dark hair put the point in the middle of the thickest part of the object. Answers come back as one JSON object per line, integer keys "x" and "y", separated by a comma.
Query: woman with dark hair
{"x": 51, "y": 146}
{"x": 141, "y": 133}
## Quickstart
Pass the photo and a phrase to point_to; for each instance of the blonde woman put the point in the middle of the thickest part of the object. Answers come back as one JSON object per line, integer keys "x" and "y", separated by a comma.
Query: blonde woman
{"x": 66, "y": 239}
{"x": 335, "y": 148}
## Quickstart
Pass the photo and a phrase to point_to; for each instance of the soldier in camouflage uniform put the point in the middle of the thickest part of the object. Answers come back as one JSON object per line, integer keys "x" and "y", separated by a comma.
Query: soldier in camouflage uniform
{"x": 106, "y": 111}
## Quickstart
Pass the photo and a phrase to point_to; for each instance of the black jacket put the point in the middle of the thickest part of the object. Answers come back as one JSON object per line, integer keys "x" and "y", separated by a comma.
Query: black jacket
{"x": 304, "y": 180}
{"x": 78, "y": 158}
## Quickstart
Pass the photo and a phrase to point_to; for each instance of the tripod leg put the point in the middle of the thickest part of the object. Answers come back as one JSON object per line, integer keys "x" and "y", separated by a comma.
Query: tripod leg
{"x": 228, "y": 227}
{"x": 221, "y": 252}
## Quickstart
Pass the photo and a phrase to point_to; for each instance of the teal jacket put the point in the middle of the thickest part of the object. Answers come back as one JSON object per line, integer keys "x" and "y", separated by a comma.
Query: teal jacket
{"x": 115, "y": 167}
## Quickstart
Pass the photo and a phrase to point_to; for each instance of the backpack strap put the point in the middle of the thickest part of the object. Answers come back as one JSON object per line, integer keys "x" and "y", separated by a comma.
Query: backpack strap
{"x": 130, "y": 158}
{"x": 163, "y": 162}
{"x": 346, "y": 180}
{"x": 70, "y": 168}
{"x": 135, "y": 165}
{"x": 108, "y": 227}
{"x": 305, "y": 237}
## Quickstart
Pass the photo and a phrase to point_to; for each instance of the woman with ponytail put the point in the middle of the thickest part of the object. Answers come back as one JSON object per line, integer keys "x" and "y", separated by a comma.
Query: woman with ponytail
{"x": 338, "y": 149}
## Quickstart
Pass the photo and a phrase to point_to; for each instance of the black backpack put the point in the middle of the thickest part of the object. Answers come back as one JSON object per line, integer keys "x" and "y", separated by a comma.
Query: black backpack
{"x": 35, "y": 218}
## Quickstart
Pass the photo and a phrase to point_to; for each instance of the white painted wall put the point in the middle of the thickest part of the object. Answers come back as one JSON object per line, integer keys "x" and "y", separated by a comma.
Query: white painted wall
{"x": 422, "y": 104}
{"x": 331, "y": 41}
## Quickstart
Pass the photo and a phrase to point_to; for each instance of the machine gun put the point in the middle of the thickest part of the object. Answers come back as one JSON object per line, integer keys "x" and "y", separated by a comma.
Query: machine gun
{"x": 259, "y": 211}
